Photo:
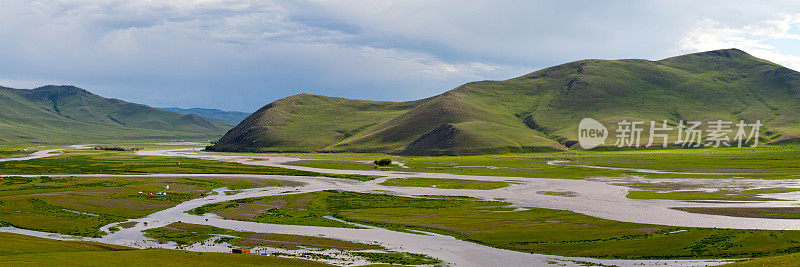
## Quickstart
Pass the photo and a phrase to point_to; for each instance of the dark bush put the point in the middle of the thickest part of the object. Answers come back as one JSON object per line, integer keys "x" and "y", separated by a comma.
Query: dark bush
{"x": 383, "y": 162}
{"x": 117, "y": 148}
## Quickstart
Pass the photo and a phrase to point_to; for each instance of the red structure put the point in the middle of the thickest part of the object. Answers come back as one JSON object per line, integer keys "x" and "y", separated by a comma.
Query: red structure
{"x": 241, "y": 251}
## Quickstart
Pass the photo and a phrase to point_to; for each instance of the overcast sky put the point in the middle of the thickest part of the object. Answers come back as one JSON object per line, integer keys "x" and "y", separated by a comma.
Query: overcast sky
{"x": 241, "y": 55}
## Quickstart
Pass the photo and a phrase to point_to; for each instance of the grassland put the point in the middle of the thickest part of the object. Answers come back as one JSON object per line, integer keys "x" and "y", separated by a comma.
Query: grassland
{"x": 17, "y": 250}
{"x": 695, "y": 195}
{"x": 16, "y": 244}
{"x": 34, "y": 251}
{"x": 449, "y": 197}
{"x": 558, "y": 193}
{"x": 783, "y": 260}
{"x": 770, "y": 213}
{"x": 156, "y": 257}
{"x": 766, "y": 162}
{"x": 533, "y": 230}
{"x": 15, "y": 152}
{"x": 770, "y": 190}
{"x": 155, "y": 146}
{"x": 80, "y": 206}
{"x": 185, "y": 234}
{"x": 445, "y": 183}
{"x": 305, "y": 209}
{"x": 355, "y": 163}
{"x": 399, "y": 258}
{"x": 115, "y": 162}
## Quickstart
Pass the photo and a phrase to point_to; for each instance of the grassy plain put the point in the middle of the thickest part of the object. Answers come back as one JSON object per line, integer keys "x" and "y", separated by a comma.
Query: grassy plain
{"x": 185, "y": 234}
{"x": 764, "y": 162}
{"x": 782, "y": 260}
{"x": 445, "y": 183}
{"x": 15, "y": 152}
{"x": 398, "y": 258}
{"x": 695, "y": 195}
{"x": 533, "y": 230}
{"x": 16, "y": 244}
{"x": 80, "y": 205}
{"x": 76, "y": 201}
{"x": 771, "y": 213}
{"x": 114, "y": 162}
{"x": 16, "y": 250}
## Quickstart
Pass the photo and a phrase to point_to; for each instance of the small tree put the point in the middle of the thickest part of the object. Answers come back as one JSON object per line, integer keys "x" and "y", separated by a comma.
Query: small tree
{"x": 383, "y": 162}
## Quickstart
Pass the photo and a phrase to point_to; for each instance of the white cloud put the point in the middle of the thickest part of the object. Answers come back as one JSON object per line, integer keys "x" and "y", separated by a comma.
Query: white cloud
{"x": 158, "y": 52}
{"x": 755, "y": 38}
{"x": 136, "y": 49}
{"x": 789, "y": 61}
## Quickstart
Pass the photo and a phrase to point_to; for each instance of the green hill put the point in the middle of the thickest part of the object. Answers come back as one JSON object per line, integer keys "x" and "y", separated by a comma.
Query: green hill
{"x": 537, "y": 111}
{"x": 53, "y": 114}
{"x": 229, "y": 117}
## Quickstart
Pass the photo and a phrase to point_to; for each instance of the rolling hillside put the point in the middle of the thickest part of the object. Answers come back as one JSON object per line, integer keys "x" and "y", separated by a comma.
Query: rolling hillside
{"x": 229, "y": 117}
{"x": 537, "y": 111}
{"x": 53, "y": 114}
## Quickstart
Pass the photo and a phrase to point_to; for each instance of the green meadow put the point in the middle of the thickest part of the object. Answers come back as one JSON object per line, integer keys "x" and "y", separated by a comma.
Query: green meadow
{"x": 495, "y": 224}
{"x": 186, "y": 234}
{"x": 15, "y": 152}
{"x": 765, "y": 162}
{"x": 118, "y": 162}
{"x": 770, "y": 213}
{"x": 16, "y": 250}
{"x": 783, "y": 260}
{"x": 445, "y": 183}
{"x": 694, "y": 195}
{"x": 81, "y": 205}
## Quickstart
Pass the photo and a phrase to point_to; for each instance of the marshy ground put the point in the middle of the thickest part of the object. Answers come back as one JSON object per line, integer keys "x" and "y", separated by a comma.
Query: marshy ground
{"x": 650, "y": 207}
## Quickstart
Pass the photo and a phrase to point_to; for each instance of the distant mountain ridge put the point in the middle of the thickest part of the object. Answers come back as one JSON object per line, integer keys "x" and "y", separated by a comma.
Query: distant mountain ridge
{"x": 51, "y": 114}
{"x": 229, "y": 117}
{"x": 537, "y": 111}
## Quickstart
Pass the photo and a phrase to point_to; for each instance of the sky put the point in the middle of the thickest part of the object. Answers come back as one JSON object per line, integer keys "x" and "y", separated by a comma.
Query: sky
{"x": 241, "y": 55}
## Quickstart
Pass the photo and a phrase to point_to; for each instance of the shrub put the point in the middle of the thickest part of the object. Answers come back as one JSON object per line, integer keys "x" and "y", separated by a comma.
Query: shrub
{"x": 383, "y": 162}
{"x": 117, "y": 148}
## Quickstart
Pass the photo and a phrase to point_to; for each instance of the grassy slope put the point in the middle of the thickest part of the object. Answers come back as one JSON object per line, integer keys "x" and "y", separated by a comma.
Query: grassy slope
{"x": 452, "y": 123}
{"x": 307, "y": 123}
{"x": 63, "y": 113}
{"x": 536, "y": 110}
